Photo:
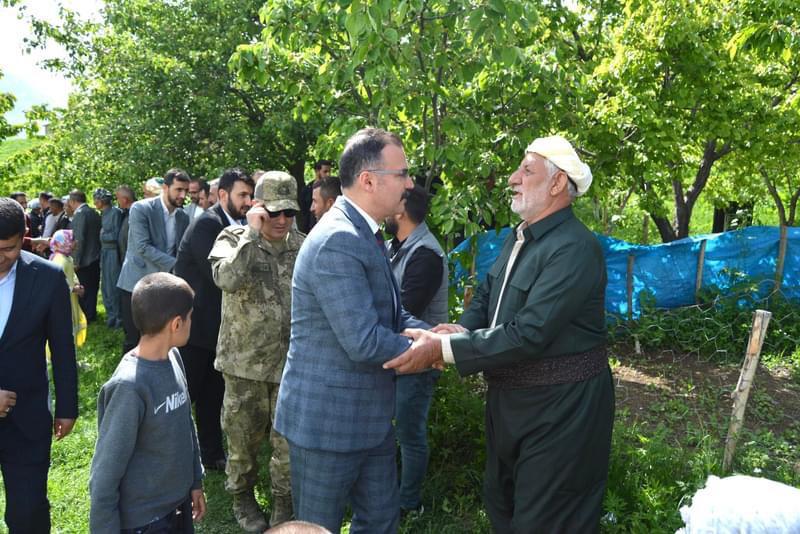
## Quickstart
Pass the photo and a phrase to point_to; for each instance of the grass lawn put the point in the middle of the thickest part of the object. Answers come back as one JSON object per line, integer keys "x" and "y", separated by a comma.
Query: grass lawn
{"x": 9, "y": 147}
{"x": 672, "y": 413}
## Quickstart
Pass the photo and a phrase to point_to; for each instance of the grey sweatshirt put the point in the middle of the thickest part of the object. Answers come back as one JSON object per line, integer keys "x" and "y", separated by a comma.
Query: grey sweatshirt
{"x": 147, "y": 460}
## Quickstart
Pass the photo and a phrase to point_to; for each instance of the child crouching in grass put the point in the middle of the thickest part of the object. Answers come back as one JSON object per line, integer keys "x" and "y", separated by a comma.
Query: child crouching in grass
{"x": 146, "y": 474}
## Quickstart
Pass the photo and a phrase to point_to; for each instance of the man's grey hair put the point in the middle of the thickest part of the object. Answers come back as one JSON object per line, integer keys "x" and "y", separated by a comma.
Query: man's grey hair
{"x": 552, "y": 169}
{"x": 127, "y": 191}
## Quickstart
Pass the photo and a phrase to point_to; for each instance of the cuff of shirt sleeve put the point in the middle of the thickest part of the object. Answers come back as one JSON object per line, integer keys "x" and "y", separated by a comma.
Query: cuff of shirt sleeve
{"x": 447, "y": 350}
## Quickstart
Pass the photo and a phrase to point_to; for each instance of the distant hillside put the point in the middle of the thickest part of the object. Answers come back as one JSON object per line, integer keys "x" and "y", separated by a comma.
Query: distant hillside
{"x": 9, "y": 147}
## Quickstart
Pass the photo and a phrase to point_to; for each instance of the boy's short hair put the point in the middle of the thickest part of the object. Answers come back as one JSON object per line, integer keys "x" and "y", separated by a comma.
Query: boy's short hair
{"x": 157, "y": 299}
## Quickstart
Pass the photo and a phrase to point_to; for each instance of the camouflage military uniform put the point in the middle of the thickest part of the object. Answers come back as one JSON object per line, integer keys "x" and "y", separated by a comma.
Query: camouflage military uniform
{"x": 255, "y": 276}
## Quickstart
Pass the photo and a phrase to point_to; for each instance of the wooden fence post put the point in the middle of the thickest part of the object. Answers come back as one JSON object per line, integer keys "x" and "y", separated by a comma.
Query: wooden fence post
{"x": 470, "y": 289}
{"x": 742, "y": 391}
{"x": 781, "y": 257}
{"x": 698, "y": 281}
{"x": 631, "y": 259}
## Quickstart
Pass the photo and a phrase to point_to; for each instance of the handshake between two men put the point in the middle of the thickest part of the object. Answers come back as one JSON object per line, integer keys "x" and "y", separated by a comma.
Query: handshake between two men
{"x": 425, "y": 351}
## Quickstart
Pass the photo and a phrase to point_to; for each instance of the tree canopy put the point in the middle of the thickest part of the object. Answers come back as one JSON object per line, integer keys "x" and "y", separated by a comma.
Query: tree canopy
{"x": 667, "y": 101}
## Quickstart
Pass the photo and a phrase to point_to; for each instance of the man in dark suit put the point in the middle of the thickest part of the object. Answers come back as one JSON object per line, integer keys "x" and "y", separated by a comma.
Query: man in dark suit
{"x": 155, "y": 229}
{"x": 206, "y": 386}
{"x": 34, "y": 311}
{"x": 125, "y": 199}
{"x": 336, "y": 402}
{"x": 86, "y": 225}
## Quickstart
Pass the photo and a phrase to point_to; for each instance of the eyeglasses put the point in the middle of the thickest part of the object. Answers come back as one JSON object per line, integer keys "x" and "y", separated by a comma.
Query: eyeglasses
{"x": 286, "y": 213}
{"x": 401, "y": 173}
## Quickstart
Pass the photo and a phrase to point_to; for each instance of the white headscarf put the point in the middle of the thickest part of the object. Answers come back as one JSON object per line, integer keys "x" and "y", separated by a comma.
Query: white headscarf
{"x": 560, "y": 152}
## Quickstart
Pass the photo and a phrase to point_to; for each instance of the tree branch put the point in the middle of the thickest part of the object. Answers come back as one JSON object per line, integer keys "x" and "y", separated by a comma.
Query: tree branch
{"x": 254, "y": 113}
{"x": 773, "y": 192}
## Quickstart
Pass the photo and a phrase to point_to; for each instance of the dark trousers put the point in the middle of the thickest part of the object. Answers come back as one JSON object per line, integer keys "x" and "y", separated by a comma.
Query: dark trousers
{"x": 131, "y": 332}
{"x": 206, "y": 389}
{"x": 24, "y": 464}
{"x": 89, "y": 277}
{"x": 178, "y": 521}
{"x": 547, "y": 453}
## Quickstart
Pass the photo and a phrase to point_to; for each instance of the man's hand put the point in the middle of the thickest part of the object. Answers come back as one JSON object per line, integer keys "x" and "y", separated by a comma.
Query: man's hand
{"x": 78, "y": 290}
{"x": 256, "y": 216}
{"x": 448, "y": 328}
{"x": 8, "y": 399}
{"x": 423, "y": 354}
{"x": 198, "y": 504}
{"x": 62, "y": 427}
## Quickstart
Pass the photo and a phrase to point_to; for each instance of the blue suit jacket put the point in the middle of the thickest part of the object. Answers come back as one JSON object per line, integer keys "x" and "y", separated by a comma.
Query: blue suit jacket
{"x": 346, "y": 319}
{"x": 40, "y": 313}
{"x": 147, "y": 242}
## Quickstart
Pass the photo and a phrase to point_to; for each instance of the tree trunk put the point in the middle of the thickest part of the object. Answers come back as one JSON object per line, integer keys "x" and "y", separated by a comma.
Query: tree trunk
{"x": 298, "y": 171}
{"x": 684, "y": 203}
{"x": 665, "y": 229}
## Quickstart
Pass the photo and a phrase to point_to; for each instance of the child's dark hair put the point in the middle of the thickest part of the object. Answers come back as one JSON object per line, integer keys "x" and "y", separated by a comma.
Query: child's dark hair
{"x": 157, "y": 299}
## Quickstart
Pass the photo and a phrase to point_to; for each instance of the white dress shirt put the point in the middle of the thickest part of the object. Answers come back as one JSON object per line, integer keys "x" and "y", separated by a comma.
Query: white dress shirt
{"x": 169, "y": 225}
{"x": 7, "y": 284}
{"x": 50, "y": 224}
{"x": 373, "y": 226}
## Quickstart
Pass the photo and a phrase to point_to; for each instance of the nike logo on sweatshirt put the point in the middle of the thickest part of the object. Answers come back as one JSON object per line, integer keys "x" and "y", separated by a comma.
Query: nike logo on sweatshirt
{"x": 172, "y": 402}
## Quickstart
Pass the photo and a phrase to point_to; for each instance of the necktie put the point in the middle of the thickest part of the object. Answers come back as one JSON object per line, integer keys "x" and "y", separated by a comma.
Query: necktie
{"x": 379, "y": 238}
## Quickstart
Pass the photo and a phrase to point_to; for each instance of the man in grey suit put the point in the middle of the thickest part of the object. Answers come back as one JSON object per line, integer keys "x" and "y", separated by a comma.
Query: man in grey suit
{"x": 86, "y": 225}
{"x": 336, "y": 402}
{"x": 155, "y": 229}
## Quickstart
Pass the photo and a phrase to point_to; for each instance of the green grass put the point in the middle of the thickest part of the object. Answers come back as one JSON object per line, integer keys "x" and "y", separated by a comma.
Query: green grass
{"x": 9, "y": 147}
{"x": 664, "y": 447}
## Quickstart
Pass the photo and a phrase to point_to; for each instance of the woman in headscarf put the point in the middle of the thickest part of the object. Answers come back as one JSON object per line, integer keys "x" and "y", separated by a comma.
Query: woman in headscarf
{"x": 61, "y": 245}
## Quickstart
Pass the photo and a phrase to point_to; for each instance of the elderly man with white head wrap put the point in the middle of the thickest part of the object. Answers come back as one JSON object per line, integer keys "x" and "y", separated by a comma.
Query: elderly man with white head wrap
{"x": 536, "y": 329}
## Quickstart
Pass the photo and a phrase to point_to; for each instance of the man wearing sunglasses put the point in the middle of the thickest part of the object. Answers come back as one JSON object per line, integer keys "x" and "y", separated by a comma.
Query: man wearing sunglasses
{"x": 253, "y": 265}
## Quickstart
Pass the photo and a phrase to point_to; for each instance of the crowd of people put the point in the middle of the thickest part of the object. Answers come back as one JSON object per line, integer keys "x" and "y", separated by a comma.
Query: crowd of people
{"x": 284, "y": 315}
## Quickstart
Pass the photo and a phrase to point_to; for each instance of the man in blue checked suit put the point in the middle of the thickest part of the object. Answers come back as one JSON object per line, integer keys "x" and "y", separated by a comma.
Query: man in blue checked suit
{"x": 336, "y": 402}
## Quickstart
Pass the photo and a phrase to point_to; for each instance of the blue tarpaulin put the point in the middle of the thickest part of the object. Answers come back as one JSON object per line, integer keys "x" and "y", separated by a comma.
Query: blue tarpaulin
{"x": 667, "y": 271}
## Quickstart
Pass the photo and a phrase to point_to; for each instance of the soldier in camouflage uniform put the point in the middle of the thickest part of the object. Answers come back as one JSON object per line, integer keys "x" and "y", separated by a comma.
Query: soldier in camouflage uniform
{"x": 252, "y": 265}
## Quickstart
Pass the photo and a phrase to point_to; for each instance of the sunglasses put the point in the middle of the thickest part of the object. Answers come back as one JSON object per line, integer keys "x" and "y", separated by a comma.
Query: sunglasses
{"x": 286, "y": 213}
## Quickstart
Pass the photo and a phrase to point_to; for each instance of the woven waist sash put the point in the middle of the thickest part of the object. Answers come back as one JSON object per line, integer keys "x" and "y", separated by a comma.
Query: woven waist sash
{"x": 566, "y": 369}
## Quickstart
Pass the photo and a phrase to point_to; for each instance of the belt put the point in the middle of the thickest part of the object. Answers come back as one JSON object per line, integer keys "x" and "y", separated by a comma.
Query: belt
{"x": 175, "y": 522}
{"x": 565, "y": 369}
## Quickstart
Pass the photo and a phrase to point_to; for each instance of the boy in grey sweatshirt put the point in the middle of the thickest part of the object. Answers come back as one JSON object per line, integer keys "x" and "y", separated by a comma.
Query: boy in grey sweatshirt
{"x": 146, "y": 473}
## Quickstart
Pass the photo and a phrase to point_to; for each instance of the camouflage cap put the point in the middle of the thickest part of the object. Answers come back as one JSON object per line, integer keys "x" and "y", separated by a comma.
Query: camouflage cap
{"x": 277, "y": 190}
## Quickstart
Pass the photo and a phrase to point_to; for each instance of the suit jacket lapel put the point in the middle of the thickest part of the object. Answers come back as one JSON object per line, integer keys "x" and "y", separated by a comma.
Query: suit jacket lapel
{"x": 23, "y": 293}
{"x": 363, "y": 228}
{"x": 219, "y": 212}
{"x": 157, "y": 220}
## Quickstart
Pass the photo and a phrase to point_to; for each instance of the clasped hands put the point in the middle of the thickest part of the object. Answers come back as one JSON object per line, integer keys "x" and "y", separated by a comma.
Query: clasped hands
{"x": 425, "y": 351}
